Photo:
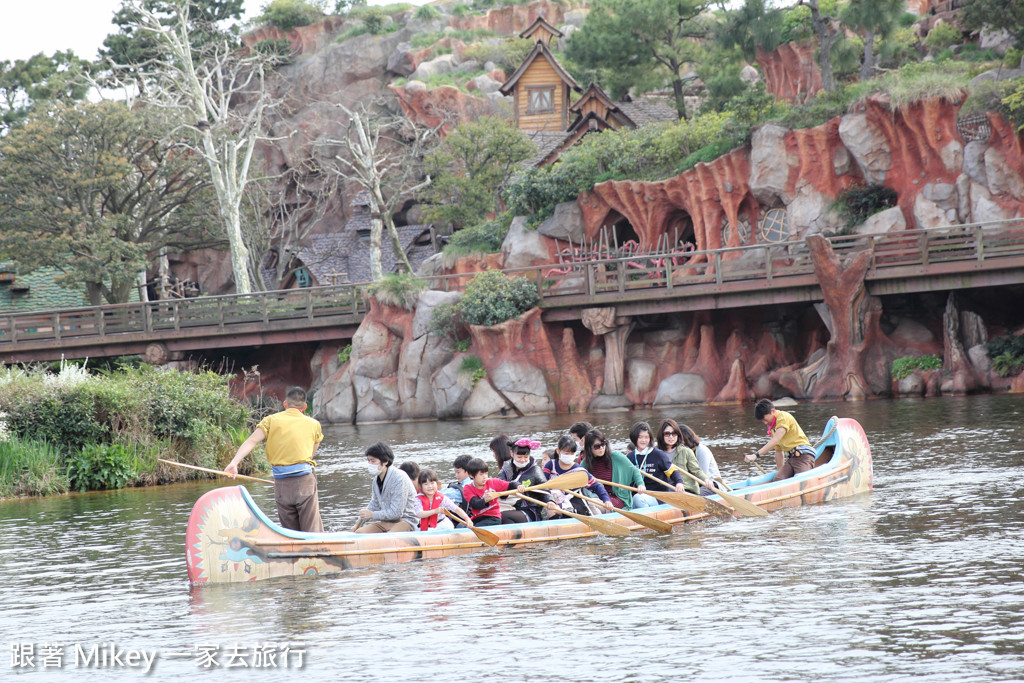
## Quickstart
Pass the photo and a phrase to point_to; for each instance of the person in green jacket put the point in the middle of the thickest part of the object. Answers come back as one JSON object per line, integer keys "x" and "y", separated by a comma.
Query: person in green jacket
{"x": 613, "y": 466}
{"x": 670, "y": 441}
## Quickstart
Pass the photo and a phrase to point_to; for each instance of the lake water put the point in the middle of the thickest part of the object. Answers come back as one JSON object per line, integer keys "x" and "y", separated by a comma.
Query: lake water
{"x": 919, "y": 580}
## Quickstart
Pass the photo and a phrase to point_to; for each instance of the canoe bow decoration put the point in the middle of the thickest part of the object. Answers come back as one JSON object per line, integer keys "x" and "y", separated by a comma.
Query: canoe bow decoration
{"x": 229, "y": 539}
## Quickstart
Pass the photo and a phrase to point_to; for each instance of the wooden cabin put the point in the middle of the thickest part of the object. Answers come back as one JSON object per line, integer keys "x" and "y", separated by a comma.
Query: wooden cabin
{"x": 540, "y": 31}
{"x": 540, "y": 90}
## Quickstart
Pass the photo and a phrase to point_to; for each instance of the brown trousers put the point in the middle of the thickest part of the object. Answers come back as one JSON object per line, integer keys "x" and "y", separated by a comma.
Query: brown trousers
{"x": 794, "y": 465}
{"x": 298, "y": 504}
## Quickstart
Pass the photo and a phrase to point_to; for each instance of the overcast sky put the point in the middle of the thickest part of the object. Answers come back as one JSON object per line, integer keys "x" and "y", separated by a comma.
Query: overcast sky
{"x": 28, "y": 27}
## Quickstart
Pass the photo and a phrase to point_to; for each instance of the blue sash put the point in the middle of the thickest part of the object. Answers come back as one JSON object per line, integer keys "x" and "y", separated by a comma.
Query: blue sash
{"x": 296, "y": 470}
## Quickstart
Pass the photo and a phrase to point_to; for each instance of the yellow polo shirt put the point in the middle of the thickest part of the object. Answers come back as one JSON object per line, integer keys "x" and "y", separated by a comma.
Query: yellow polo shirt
{"x": 794, "y": 435}
{"x": 291, "y": 437}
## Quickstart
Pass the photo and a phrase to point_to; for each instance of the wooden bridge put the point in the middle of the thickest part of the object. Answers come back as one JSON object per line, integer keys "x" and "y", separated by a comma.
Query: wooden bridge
{"x": 940, "y": 259}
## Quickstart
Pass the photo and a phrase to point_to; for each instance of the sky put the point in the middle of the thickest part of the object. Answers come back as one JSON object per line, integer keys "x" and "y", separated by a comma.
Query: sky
{"x": 28, "y": 27}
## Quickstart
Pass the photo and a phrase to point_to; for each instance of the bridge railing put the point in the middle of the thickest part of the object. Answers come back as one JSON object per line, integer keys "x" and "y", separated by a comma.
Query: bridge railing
{"x": 219, "y": 313}
{"x": 760, "y": 266}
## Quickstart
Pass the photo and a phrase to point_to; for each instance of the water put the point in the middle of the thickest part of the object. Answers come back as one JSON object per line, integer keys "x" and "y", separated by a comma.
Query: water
{"x": 920, "y": 580}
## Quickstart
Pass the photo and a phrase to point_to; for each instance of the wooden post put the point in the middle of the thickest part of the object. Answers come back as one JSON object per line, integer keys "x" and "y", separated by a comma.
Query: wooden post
{"x": 978, "y": 244}
{"x": 718, "y": 268}
{"x": 309, "y": 304}
{"x": 147, "y": 318}
{"x": 56, "y": 326}
{"x": 220, "y": 314}
{"x": 265, "y": 308}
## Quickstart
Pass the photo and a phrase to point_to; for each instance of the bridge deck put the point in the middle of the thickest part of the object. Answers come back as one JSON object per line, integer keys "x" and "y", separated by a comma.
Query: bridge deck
{"x": 938, "y": 259}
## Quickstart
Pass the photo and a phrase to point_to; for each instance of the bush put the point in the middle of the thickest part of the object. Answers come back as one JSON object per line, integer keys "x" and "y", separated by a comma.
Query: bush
{"x": 472, "y": 365}
{"x": 508, "y": 54}
{"x": 446, "y": 322}
{"x": 492, "y": 297}
{"x": 280, "y": 49}
{"x": 485, "y": 238}
{"x": 344, "y": 354}
{"x": 29, "y": 467}
{"x": 461, "y": 10}
{"x": 903, "y": 367}
{"x": 397, "y": 290}
{"x": 1006, "y": 364}
{"x": 102, "y": 466}
{"x": 942, "y": 37}
{"x": 289, "y": 14}
{"x": 922, "y": 80}
{"x": 427, "y": 12}
{"x": 858, "y": 203}
{"x": 374, "y": 19}
{"x": 1012, "y": 344}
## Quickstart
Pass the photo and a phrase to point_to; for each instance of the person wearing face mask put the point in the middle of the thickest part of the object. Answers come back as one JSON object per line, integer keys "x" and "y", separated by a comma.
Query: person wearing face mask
{"x": 683, "y": 457}
{"x": 393, "y": 505}
{"x": 653, "y": 461}
{"x": 522, "y": 469}
{"x": 564, "y": 463}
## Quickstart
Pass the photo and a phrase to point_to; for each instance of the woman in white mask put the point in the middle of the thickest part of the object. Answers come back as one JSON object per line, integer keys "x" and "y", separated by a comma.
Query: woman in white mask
{"x": 565, "y": 461}
{"x": 521, "y": 469}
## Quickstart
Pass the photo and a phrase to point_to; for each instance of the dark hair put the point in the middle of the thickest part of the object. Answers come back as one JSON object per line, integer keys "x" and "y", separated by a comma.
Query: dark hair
{"x": 295, "y": 395}
{"x": 412, "y": 469}
{"x": 661, "y": 434}
{"x": 592, "y": 437}
{"x": 427, "y": 475}
{"x": 461, "y": 462}
{"x": 501, "y": 446}
{"x": 638, "y": 429}
{"x": 763, "y": 407}
{"x": 567, "y": 443}
{"x": 476, "y": 466}
{"x": 382, "y": 452}
{"x": 580, "y": 429}
{"x": 689, "y": 438}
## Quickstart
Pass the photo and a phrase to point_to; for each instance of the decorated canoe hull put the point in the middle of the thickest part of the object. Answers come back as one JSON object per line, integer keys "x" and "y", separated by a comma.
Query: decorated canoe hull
{"x": 230, "y": 539}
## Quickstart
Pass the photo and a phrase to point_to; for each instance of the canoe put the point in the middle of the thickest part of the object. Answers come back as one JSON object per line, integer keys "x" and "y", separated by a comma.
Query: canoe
{"x": 230, "y": 539}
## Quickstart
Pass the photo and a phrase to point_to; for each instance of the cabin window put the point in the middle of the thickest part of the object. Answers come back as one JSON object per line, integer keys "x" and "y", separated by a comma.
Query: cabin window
{"x": 303, "y": 278}
{"x": 540, "y": 100}
{"x": 775, "y": 225}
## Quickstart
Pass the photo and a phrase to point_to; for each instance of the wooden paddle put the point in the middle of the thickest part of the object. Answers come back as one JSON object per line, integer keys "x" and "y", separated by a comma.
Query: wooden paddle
{"x": 742, "y": 506}
{"x": 359, "y": 523}
{"x": 712, "y": 507}
{"x": 758, "y": 465}
{"x": 488, "y": 537}
{"x": 570, "y": 480}
{"x": 649, "y": 522}
{"x": 602, "y": 525}
{"x": 683, "y": 501}
{"x": 220, "y": 472}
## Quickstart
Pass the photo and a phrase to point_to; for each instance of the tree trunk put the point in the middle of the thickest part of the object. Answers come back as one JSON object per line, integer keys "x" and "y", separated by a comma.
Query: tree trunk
{"x": 825, "y": 39}
{"x": 867, "y": 67}
{"x": 376, "y": 228}
{"x": 677, "y": 91}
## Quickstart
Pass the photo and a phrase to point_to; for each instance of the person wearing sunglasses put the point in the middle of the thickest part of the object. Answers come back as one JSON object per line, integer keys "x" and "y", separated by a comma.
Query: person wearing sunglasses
{"x": 683, "y": 457}
{"x": 604, "y": 463}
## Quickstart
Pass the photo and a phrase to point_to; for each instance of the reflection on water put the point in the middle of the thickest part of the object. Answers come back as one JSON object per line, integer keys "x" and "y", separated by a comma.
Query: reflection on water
{"x": 918, "y": 580}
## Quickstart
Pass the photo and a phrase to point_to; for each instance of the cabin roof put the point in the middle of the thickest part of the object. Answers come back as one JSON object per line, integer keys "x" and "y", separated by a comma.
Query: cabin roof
{"x": 540, "y": 22}
{"x": 539, "y": 50}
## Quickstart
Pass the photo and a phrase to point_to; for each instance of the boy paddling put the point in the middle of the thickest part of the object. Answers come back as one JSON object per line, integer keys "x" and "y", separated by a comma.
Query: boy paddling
{"x": 793, "y": 451}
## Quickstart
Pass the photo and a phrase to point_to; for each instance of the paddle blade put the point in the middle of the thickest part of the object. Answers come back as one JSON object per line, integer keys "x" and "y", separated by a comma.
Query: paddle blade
{"x": 570, "y": 480}
{"x": 658, "y": 525}
{"x": 488, "y": 537}
{"x": 602, "y": 525}
{"x": 742, "y": 506}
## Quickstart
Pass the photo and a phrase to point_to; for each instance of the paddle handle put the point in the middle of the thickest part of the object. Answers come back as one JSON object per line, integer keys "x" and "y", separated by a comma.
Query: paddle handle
{"x": 758, "y": 466}
{"x": 220, "y": 472}
{"x": 660, "y": 481}
{"x": 621, "y": 486}
{"x": 542, "y": 504}
{"x": 680, "y": 469}
{"x": 359, "y": 523}
{"x": 569, "y": 480}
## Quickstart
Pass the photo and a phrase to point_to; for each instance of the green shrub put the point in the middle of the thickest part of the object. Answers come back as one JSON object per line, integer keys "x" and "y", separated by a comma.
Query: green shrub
{"x": 102, "y": 466}
{"x": 485, "y": 238}
{"x": 351, "y": 32}
{"x": 492, "y": 297}
{"x": 28, "y": 467}
{"x": 472, "y": 365}
{"x": 942, "y": 37}
{"x": 1012, "y": 344}
{"x": 1013, "y": 102}
{"x": 508, "y": 54}
{"x": 446, "y": 322}
{"x": 397, "y": 290}
{"x": 280, "y": 49}
{"x": 1006, "y": 364}
{"x": 461, "y": 10}
{"x": 922, "y": 80}
{"x": 289, "y": 14}
{"x": 903, "y": 367}
{"x": 344, "y": 354}
{"x": 858, "y": 203}
{"x": 427, "y": 12}
{"x": 463, "y": 345}
{"x": 373, "y": 20}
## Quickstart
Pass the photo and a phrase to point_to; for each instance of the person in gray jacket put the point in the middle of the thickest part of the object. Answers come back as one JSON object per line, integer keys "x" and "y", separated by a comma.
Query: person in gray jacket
{"x": 393, "y": 505}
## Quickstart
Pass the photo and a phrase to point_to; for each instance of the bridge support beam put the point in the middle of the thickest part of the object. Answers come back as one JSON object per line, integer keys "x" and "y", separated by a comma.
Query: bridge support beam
{"x": 615, "y": 331}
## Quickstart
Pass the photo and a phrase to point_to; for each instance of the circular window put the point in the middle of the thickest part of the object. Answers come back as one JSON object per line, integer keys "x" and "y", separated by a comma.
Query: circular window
{"x": 775, "y": 225}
